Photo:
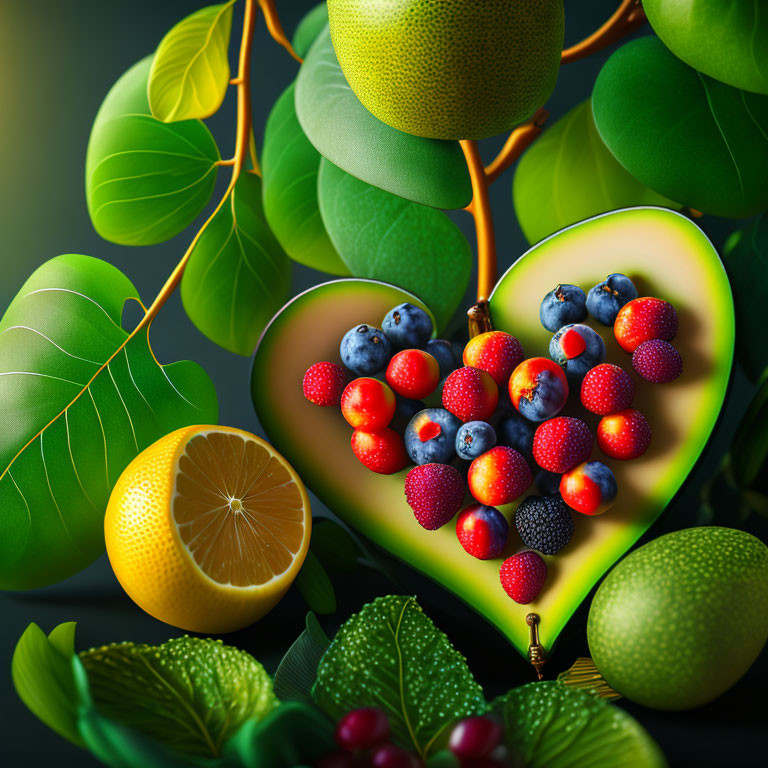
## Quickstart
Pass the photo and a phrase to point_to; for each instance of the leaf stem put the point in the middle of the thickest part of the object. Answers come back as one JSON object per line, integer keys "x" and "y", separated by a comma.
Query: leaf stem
{"x": 517, "y": 142}
{"x": 254, "y": 155}
{"x": 276, "y": 28}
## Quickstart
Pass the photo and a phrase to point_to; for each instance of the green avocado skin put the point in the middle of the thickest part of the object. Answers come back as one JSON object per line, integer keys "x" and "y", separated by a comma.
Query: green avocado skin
{"x": 680, "y": 620}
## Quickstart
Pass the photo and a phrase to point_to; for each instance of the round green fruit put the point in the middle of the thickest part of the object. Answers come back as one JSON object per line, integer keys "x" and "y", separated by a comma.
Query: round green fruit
{"x": 680, "y": 620}
{"x": 449, "y": 70}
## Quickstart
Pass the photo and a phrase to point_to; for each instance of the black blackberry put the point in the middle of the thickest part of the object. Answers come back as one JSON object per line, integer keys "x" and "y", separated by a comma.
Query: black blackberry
{"x": 544, "y": 523}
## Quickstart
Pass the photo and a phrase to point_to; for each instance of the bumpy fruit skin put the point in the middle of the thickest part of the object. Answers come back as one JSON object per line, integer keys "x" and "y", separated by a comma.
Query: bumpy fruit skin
{"x": 657, "y": 361}
{"x": 517, "y": 432}
{"x": 407, "y": 325}
{"x": 368, "y": 404}
{"x": 523, "y": 575}
{"x": 482, "y": 531}
{"x": 324, "y": 383}
{"x": 564, "y": 305}
{"x": 362, "y": 728}
{"x": 561, "y": 443}
{"x": 435, "y": 493}
{"x": 382, "y": 452}
{"x": 474, "y": 438}
{"x": 495, "y": 352}
{"x": 442, "y": 351}
{"x": 413, "y": 373}
{"x": 624, "y": 435}
{"x": 589, "y": 488}
{"x": 365, "y": 350}
{"x": 499, "y": 476}
{"x": 544, "y": 523}
{"x": 607, "y": 389}
{"x": 475, "y": 737}
{"x": 605, "y": 299}
{"x": 470, "y": 394}
{"x": 538, "y": 388}
{"x": 460, "y": 70}
{"x": 430, "y": 436}
{"x": 644, "y": 319}
{"x": 578, "y": 348}
{"x": 706, "y": 587}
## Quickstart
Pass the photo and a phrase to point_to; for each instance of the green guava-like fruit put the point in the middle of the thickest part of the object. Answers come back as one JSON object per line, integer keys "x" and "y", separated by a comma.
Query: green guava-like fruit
{"x": 449, "y": 70}
{"x": 680, "y": 620}
{"x": 666, "y": 255}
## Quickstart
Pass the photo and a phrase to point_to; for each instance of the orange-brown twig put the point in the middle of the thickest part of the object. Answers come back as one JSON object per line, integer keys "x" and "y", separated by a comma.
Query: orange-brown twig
{"x": 517, "y": 142}
{"x": 276, "y": 28}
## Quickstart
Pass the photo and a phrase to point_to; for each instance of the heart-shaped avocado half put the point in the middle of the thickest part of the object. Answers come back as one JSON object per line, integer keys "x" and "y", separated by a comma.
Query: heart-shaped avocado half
{"x": 666, "y": 255}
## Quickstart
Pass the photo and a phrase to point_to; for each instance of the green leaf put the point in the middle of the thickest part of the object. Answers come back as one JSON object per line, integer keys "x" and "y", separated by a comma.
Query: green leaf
{"x": 315, "y": 586}
{"x": 552, "y": 726}
{"x": 145, "y": 180}
{"x": 725, "y": 39}
{"x": 79, "y": 402}
{"x": 391, "y": 656}
{"x": 42, "y": 675}
{"x": 336, "y": 548}
{"x": 584, "y": 675}
{"x": 190, "y": 72}
{"x": 428, "y": 171}
{"x": 749, "y": 449}
{"x": 190, "y": 694}
{"x": 746, "y": 259}
{"x": 568, "y": 175}
{"x": 309, "y": 29}
{"x": 290, "y": 165}
{"x": 238, "y": 275}
{"x": 297, "y": 671}
{"x": 683, "y": 134}
{"x": 384, "y": 237}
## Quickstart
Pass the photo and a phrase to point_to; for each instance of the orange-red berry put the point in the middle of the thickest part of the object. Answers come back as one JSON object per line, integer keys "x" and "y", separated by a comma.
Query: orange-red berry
{"x": 368, "y": 404}
{"x": 413, "y": 373}
{"x": 495, "y": 352}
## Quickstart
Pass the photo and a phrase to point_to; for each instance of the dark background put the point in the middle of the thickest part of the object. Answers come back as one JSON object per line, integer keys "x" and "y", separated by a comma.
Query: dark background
{"x": 57, "y": 61}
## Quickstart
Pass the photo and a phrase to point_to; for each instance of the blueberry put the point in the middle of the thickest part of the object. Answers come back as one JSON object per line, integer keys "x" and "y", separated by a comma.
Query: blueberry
{"x": 365, "y": 350}
{"x": 405, "y": 410}
{"x": 407, "y": 326}
{"x": 606, "y": 299}
{"x": 430, "y": 437}
{"x": 474, "y": 438}
{"x": 443, "y": 352}
{"x": 578, "y": 348}
{"x": 547, "y": 483}
{"x": 565, "y": 304}
{"x": 517, "y": 432}
{"x": 547, "y": 399}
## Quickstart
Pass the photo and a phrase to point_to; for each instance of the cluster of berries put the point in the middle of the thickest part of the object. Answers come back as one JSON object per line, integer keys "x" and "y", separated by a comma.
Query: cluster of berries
{"x": 363, "y": 740}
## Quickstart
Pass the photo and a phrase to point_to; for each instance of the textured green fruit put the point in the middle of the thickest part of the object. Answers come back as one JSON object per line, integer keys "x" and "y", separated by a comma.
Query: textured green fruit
{"x": 458, "y": 70}
{"x": 680, "y": 620}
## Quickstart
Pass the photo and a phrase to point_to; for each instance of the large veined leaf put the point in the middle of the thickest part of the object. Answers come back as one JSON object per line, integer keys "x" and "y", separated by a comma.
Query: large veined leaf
{"x": 568, "y": 175}
{"x": 289, "y": 165}
{"x": 190, "y": 70}
{"x": 683, "y": 134}
{"x": 428, "y": 171}
{"x": 309, "y": 28}
{"x": 145, "y": 180}
{"x": 391, "y": 656}
{"x": 384, "y": 237}
{"x": 725, "y": 39}
{"x": 78, "y": 401}
{"x": 238, "y": 275}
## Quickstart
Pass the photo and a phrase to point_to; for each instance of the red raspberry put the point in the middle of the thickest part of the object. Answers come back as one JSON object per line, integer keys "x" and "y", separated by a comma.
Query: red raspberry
{"x": 413, "y": 373}
{"x": 324, "y": 382}
{"x": 561, "y": 443}
{"x": 495, "y": 352}
{"x": 499, "y": 476}
{"x": 435, "y": 493}
{"x": 644, "y": 319}
{"x": 470, "y": 394}
{"x": 382, "y": 452}
{"x": 523, "y": 575}
{"x": 607, "y": 389}
{"x": 657, "y": 361}
{"x": 624, "y": 435}
{"x": 368, "y": 404}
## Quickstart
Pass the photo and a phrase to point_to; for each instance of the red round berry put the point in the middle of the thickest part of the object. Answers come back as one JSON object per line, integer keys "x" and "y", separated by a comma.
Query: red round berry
{"x": 523, "y": 575}
{"x": 644, "y": 319}
{"x": 368, "y": 404}
{"x": 561, "y": 443}
{"x": 413, "y": 373}
{"x": 495, "y": 352}
{"x": 624, "y": 435}
{"x": 362, "y": 729}
{"x": 324, "y": 382}
{"x": 435, "y": 493}
{"x": 391, "y": 756}
{"x": 382, "y": 452}
{"x": 607, "y": 389}
{"x": 572, "y": 343}
{"x": 657, "y": 361}
{"x": 470, "y": 394}
{"x": 589, "y": 488}
{"x": 482, "y": 531}
{"x": 499, "y": 476}
{"x": 475, "y": 737}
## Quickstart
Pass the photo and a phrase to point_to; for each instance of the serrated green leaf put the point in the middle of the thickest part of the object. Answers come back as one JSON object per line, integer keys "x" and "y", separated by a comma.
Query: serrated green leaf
{"x": 315, "y": 586}
{"x": 80, "y": 401}
{"x": 384, "y": 237}
{"x": 237, "y": 276}
{"x": 190, "y": 71}
{"x": 568, "y": 175}
{"x": 686, "y": 136}
{"x": 391, "y": 656}
{"x": 549, "y": 725}
{"x": 297, "y": 670}
{"x": 427, "y": 171}
{"x": 308, "y": 29}
{"x": 290, "y": 165}
{"x": 145, "y": 180}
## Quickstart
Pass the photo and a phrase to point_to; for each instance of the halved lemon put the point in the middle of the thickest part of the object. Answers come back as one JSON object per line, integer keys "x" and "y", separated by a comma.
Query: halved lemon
{"x": 207, "y": 528}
